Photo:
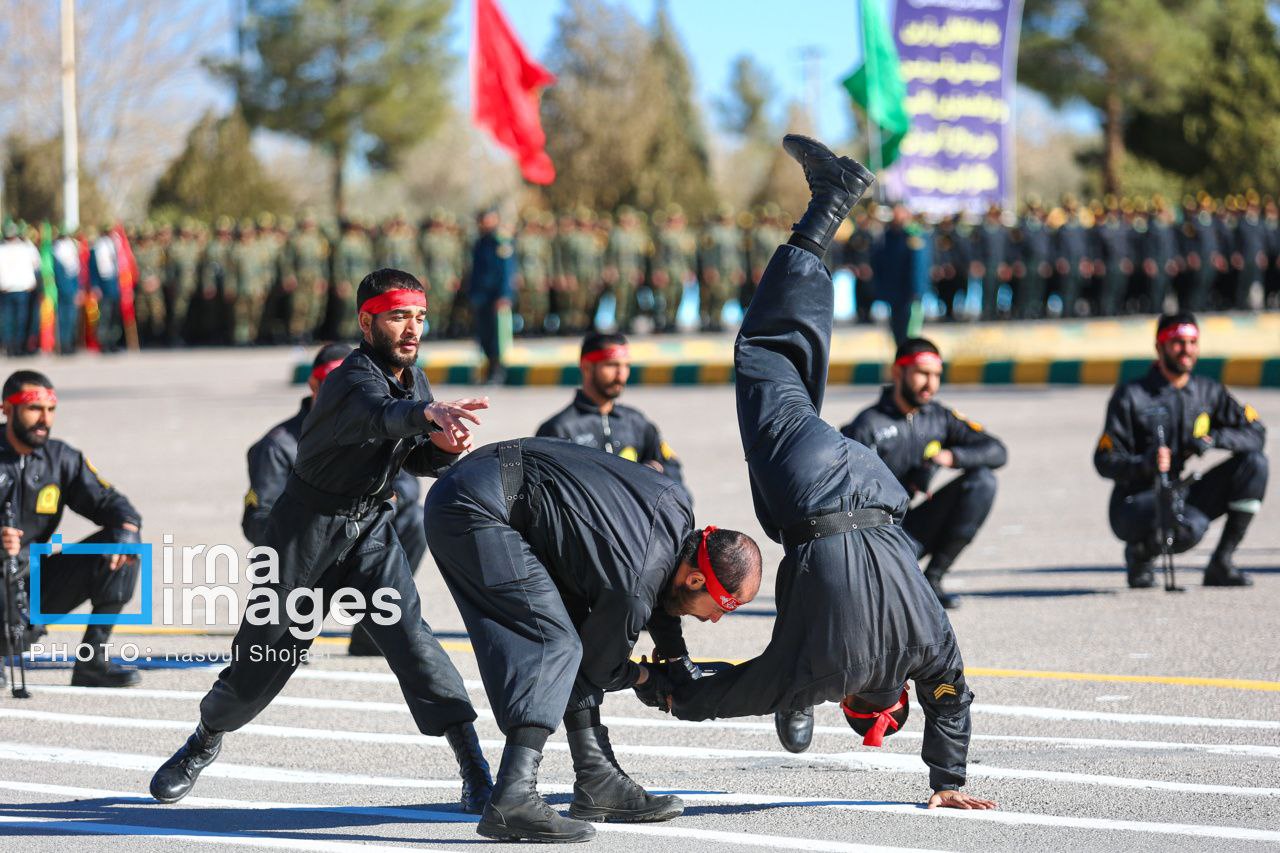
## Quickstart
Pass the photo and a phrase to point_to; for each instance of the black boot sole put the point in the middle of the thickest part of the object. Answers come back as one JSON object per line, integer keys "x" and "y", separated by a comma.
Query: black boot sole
{"x": 603, "y": 814}
{"x": 130, "y": 679}
{"x": 502, "y": 832}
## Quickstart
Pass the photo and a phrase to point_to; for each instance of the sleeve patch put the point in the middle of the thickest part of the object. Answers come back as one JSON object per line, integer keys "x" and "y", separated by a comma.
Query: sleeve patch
{"x": 94, "y": 472}
{"x": 630, "y": 453}
{"x": 1250, "y": 414}
{"x": 1105, "y": 443}
{"x": 250, "y": 498}
{"x": 666, "y": 451}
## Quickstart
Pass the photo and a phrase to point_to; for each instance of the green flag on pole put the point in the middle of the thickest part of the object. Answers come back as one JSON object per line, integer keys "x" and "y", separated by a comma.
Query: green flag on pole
{"x": 877, "y": 85}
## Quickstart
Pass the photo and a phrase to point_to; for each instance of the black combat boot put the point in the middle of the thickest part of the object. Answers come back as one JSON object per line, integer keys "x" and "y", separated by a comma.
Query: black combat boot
{"x": 1222, "y": 569}
{"x": 174, "y": 779}
{"x": 602, "y": 792}
{"x": 98, "y": 670}
{"x": 836, "y": 184}
{"x": 1138, "y": 559}
{"x": 515, "y": 811}
{"x": 795, "y": 728}
{"x": 939, "y": 563}
{"x": 474, "y": 770}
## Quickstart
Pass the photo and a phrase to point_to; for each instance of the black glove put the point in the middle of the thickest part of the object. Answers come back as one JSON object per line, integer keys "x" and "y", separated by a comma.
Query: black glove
{"x": 681, "y": 670}
{"x": 1201, "y": 445}
{"x": 656, "y": 689}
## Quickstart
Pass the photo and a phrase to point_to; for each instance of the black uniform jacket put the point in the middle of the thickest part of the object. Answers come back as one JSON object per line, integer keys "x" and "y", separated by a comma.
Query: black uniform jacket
{"x": 907, "y": 443}
{"x": 270, "y": 461}
{"x": 1202, "y": 409}
{"x": 624, "y": 431}
{"x": 608, "y": 532}
{"x": 55, "y": 477}
{"x": 364, "y": 426}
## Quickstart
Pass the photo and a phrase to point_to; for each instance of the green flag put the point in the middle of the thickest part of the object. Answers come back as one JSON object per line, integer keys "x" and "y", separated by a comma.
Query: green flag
{"x": 877, "y": 85}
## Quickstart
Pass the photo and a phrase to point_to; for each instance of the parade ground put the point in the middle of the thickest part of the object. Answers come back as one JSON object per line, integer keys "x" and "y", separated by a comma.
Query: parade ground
{"x": 1105, "y": 718}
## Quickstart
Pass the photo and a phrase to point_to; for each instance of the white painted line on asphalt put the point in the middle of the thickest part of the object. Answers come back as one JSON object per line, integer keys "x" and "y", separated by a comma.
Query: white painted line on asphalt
{"x": 742, "y": 839}
{"x": 147, "y": 763}
{"x": 366, "y": 706}
{"x": 885, "y": 762}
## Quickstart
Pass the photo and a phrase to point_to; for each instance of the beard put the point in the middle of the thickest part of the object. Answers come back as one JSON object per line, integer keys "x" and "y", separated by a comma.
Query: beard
{"x": 1174, "y": 365}
{"x": 676, "y": 601}
{"x": 30, "y": 436}
{"x": 913, "y": 399}
{"x": 609, "y": 392}
{"x": 387, "y": 346}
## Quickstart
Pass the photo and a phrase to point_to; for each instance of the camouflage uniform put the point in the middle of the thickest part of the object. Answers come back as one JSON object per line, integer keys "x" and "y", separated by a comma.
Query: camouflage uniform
{"x": 533, "y": 259}
{"x": 182, "y": 274}
{"x": 353, "y": 260}
{"x": 765, "y": 237}
{"x": 306, "y": 280}
{"x": 148, "y": 294}
{"x": 214, "y": 272}
{"x": 628, "y": 249}
{"x": 723, "y": 268}
{"x": 246, "y": 286}
{"x": 675, "y": 254}
{"x": 442, "y": 260}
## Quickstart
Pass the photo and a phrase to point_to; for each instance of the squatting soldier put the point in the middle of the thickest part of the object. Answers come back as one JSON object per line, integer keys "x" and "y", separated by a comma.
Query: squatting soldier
{"x": 308, "y": 280}
{"x": 624, "y": 264}
{"x": 533, "y": 276}
{"x": 723, "y": 267}
{"x": 351, "y": 262}
{"x": 182, "y": 277}
{"x": 675, "y": 254}
{"x": 40, "y": 478}
{"x": 148, "y": 295}
{"x": 1193, "y": 414}
{"x": 915, "y": 436}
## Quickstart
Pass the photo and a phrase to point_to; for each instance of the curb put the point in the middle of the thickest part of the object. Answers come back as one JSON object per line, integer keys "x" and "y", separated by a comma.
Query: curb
{"x": 1239, "y": 372}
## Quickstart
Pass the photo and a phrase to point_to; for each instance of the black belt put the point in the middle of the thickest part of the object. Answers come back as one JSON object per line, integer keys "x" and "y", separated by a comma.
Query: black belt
{"x": 331, "y": 504}
{"x": 512, "y": 470}
{"x": 834, "y": 524}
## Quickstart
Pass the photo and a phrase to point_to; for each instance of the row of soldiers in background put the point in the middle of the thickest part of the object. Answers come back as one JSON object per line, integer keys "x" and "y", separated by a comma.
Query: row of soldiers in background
{"x": 1118, "y": 256}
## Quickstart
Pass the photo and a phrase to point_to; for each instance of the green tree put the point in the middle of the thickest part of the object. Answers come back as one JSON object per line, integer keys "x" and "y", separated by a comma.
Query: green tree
{"x": 678, "y": 162}
{"x": 33, "y": 183}
{"x": 1222, "y": 136}
{"x": 216, "y": 174}
{"x": 357, "y": 78}
{"x": 744, "y": 111}
{"x": 1116, "y": 55}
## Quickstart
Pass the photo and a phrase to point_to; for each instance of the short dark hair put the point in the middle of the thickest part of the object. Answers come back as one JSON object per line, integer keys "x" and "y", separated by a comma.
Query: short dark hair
{"x": 596, "y": 341}
{"x": 331, "y": 352}
{"x": 1177, "y": 319}
{"x": 915, "y": 346}
{"x": 735, "y": 557}
{"x": 18, "y": 378}
{"x": 380, "y": 281}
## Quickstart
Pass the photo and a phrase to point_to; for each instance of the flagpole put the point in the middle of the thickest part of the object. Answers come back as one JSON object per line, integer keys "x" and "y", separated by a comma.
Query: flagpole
{"x": 874, "y": 157}
{"x": 70, "y": 151}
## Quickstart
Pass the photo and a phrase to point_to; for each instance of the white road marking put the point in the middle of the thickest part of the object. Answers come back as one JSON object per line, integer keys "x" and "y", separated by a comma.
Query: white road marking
{"x": 885, "y": 762}
{"x": 19, "y": 752}
{"x": 367, "y": 706}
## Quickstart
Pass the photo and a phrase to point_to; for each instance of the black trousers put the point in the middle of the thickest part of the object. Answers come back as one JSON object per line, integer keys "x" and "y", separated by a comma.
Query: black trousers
{"x": 524, "y": 633}
{"x": 954, "y": 513}
{"x": 325, "y": 552}
{"x": 1240, "y": 478}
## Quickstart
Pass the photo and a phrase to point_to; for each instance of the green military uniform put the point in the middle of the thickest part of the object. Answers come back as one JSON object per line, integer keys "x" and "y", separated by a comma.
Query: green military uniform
{"x": 533, "y": 260}
{"x": 442, "y": 261}
{"x": 307, "y": 280}
{"x": 182, "y": 275}
{"x": 765, "y": 237}
{"x": 148, "y": 295}
{"x": 675, "y": 253}
{"x": 246, "y": 286}
{"x": 215, "y": 269}
{"x": 353, "y": 260}
{"x": 723, "y": 268}
{"x": 272, "y": 242}
{"x": 398, "y": 248}
{"x": 627, "y": 252}
{"x": 585, "y": 260}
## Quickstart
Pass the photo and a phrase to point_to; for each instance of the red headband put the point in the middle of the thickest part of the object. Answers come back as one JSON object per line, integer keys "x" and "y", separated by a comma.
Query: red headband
{"x": 615, "y": 352}
{"x": 717, "y": 591}
{"x": 883, "y": 720}
{"x": 919, "y": 358}
{"x": 393, "y": 299}
{"x": 1181, "y": 330}
{"x": 324, "y": 368}
{"x": 33, "y": 395}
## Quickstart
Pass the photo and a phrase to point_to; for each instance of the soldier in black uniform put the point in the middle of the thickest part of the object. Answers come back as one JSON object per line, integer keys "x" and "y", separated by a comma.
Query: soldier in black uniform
{"x": 596, "y": 419}
{"x": 915, "y": 436}
{"x": 952, "y": 258}
{"x": 856, "y": 618}
{"x": 332, "y": 529}
{"x": 271, "y": 460}
{"x": 40, "y": 477}
{"x": 1195, "y": 414}
{"x": 557, "y": 556}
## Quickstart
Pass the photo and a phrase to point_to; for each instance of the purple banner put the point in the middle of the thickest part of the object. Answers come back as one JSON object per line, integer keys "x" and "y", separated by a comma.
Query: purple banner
{"x": 959, "y": 61}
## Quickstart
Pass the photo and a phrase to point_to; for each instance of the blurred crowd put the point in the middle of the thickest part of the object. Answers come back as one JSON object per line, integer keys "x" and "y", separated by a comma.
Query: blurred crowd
{"x": 277, "y": 280}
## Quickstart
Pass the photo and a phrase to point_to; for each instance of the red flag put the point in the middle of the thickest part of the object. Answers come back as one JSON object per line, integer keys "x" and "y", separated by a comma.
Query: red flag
{"x": 127, "y": 269}
{"x": 505, "y": 92}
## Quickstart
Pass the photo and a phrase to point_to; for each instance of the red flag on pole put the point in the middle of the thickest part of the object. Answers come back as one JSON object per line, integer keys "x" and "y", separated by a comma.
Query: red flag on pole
{"x": 505, "y": 92}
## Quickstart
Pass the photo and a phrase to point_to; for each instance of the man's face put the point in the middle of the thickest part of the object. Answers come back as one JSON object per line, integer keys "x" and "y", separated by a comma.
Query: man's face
{"x": 688, "y": 596}
{"x": 395, "y": 334}
{"x": 31, "y": 422}
{"x": 918, "y": 383}
{"x": 606, "y": 379}
{"x": 1179, "y": 355}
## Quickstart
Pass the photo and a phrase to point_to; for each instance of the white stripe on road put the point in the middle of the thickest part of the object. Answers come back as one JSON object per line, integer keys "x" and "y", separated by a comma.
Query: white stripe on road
{"x": 400, "y": 708}
{"x": 886, "y": 762}
{"x": 20, "y": 752}
{"x": 741, "y": 839}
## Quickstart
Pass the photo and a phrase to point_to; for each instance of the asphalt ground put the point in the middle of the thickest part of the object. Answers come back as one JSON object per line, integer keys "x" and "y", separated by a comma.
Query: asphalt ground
{"x": 1105, "y": 718}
